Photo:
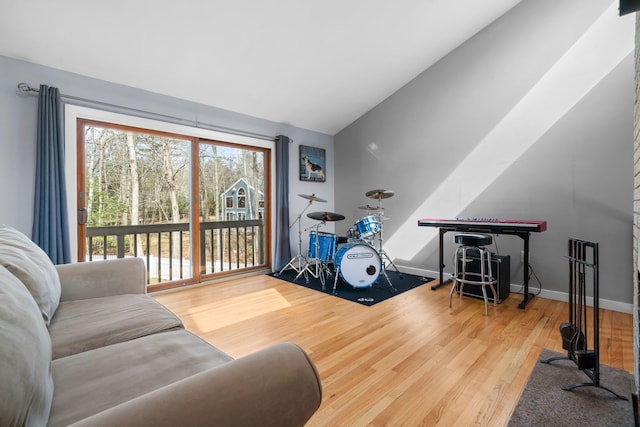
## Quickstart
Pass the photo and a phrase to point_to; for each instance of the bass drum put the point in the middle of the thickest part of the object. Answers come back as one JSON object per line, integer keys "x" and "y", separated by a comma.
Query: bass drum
{"x": 359, "y": 264}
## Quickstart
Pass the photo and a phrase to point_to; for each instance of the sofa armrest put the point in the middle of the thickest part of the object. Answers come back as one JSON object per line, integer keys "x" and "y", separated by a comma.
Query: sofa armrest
{"x": 102, "y": 278}
{"x": 278, "y": 386}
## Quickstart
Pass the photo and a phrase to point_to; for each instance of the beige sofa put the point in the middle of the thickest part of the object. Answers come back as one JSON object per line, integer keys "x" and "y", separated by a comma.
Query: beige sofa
{"x": 83, "y": 344}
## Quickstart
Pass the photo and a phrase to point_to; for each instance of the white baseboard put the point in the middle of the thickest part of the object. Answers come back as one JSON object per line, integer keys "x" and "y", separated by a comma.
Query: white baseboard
{"x": 416, "y": 271}
{"x": 622, "y": 307}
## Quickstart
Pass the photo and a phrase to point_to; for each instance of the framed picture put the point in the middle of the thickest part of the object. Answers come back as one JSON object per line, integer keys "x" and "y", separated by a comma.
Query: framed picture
{"x": 312, "y": 164}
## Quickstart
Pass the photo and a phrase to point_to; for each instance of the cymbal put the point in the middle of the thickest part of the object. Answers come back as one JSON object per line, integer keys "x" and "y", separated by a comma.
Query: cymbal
{"x": 325, "y": 216}
{"x": 379, "y": 194}
{"x": 312, "y": 197}
{"x": 369, "y": 208}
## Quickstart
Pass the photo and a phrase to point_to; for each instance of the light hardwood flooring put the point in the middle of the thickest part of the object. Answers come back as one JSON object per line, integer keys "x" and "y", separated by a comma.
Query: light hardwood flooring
{"x": 407, "y": 361}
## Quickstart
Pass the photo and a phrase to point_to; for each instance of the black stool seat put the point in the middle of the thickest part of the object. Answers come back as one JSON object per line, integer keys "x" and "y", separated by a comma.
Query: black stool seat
{"x": 473, "y": 239}
{"x": 470, "y": 242}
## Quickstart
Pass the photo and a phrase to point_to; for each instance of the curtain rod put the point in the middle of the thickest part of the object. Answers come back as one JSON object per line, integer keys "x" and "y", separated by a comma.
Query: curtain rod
{"x": 26, "y": 89}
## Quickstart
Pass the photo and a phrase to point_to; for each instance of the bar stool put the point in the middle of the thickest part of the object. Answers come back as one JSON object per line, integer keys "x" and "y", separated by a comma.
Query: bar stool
{"x": 472, "y": 248}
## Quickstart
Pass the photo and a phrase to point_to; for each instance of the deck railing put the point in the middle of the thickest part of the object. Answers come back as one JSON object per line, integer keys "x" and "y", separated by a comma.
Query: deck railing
{"x": 224, "y": 246}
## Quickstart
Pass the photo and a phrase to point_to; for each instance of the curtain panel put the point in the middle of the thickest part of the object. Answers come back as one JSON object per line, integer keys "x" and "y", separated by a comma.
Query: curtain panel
{"x": 50, "y": 218}
{"x": 282, "y": 253}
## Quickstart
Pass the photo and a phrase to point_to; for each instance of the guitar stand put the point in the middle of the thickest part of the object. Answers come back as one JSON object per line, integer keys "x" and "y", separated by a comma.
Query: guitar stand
{"x": 574, "y": 333}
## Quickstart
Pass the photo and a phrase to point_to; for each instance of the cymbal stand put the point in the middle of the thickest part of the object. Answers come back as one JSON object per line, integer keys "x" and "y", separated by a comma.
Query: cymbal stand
{"x": 319, "y": 269}
{"x": 383, "y": 255}
{"x": 299, "y": 261}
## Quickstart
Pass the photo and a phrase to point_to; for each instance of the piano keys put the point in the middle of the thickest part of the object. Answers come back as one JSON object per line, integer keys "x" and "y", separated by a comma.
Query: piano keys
{"x": 492, "y": 226}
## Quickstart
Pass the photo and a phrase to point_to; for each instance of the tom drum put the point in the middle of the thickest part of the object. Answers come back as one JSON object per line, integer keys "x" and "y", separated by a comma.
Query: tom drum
{"x": 322, "y": 246}
{"x": 368, "y": 226}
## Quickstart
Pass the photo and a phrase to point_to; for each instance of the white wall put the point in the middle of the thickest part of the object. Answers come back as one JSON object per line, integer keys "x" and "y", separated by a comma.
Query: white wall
{"x": 530, "y": 119}
{"x": 18, "y": 134}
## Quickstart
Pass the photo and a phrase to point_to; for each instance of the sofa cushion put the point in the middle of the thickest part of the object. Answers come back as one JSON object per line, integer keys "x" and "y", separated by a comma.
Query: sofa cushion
{"x": 33, "y": 267}
{"x": 93, "y": 381}
{"x": 86, "y": 324}
{"x": 26, "y": 385}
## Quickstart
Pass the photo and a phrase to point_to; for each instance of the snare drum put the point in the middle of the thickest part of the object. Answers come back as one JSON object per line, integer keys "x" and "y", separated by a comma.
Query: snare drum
{"x": 326, "y": 246}
{"x": 359, "y": 264}
{"x": 368, "y": 226}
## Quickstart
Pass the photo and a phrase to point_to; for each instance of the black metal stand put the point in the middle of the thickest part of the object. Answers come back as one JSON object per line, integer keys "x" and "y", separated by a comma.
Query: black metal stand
{"x": 583, "y": 262}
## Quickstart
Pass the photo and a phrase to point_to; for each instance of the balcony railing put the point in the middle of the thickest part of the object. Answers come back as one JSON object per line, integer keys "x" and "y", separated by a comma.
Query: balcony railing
{"x": 224, "y": 246}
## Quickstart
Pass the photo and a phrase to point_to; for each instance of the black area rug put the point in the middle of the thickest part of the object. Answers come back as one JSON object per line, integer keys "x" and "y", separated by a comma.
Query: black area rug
{"x": 377, "y": 292}
{"x": 545, "y": 403}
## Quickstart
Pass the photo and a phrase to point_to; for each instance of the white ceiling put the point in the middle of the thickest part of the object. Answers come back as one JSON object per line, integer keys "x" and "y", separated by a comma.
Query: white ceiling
{"x": 317, "y": 65}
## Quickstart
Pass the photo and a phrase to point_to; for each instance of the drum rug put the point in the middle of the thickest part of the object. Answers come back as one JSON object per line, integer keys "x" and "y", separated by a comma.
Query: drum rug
{"x": 370, "y": 295}
{"x": 545, "y": 403}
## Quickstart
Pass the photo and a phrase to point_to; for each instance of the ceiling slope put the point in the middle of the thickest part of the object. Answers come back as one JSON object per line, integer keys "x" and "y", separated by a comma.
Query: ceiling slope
{"x": 314, "y": 65}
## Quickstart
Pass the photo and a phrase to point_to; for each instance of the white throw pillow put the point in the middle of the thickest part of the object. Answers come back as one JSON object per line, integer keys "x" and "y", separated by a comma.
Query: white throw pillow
{"x": 29, "y": 263}
{"x": 26, "y": 384}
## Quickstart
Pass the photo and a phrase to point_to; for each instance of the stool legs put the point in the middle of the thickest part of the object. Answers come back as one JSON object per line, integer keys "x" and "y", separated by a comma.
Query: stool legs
{"x": 460, "y": 254}
{"x": 484, "y": 278}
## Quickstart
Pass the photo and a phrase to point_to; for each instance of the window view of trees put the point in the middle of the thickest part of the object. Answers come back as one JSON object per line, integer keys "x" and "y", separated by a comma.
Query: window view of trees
{"x": 134, "y": 178}
{"x": 138, "y": 196}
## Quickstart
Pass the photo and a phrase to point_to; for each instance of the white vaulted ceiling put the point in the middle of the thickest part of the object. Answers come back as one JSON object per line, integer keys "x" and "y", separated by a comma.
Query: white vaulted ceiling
{"x": 317, "y": 65}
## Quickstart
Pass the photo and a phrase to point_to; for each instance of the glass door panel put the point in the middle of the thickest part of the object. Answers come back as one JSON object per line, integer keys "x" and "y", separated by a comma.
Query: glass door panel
{"x": 136, "y": 200}
{"x": 232, "y": 207}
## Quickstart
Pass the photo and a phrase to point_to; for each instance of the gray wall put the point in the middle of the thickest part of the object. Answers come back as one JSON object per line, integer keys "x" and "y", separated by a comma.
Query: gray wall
{"x": 18, "y": 135}
{"x": 577, "y": 173}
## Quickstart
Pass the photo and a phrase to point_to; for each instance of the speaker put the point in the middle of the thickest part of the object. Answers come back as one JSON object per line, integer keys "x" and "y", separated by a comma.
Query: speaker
{"x": 629, "y": 6}
{"x": 501, "y": 270}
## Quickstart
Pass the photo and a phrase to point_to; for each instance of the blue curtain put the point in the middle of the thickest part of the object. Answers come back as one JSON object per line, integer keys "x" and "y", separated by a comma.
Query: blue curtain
{"x": 283, "y": 248}
{"x": 50, "y": 218}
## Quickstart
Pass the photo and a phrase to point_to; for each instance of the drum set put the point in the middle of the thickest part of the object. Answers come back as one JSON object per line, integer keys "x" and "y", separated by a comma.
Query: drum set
{"x": 358, "y": 258}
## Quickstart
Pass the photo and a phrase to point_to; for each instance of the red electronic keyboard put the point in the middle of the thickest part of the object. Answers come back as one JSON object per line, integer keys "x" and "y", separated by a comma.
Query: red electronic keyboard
{"x": 520, "y": 228}
{"x": 496, "y": 226}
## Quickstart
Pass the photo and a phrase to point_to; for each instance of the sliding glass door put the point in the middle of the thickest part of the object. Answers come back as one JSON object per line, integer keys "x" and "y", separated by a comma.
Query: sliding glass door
{"x": 190, "y": 208}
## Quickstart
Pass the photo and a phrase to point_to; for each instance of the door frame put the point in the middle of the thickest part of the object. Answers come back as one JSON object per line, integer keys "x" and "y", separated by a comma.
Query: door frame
{"x": 73, "y": 113}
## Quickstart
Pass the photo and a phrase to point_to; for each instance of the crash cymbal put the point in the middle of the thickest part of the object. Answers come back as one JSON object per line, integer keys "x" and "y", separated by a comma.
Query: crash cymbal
{"x": 369, "y": 208}
{"x": 379, "y": 194}
{"x": 325, "y": 216}
{"x": 312, "y": 197}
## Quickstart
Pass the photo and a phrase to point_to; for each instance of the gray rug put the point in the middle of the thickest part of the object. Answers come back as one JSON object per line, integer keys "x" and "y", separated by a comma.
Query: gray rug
{"x": 545, "y": 403}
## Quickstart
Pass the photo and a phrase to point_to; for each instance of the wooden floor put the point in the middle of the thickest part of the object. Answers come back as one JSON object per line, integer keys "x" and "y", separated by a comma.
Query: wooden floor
{"x": 410, "y": 360}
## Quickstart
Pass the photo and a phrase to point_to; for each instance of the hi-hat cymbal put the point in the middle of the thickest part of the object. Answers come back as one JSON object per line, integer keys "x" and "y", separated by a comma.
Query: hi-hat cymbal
{"x": 369, "y": 208}
{"x": 379, "y": 194}
{"x": 325, "y": 216}
{"x": 312, "y": 197}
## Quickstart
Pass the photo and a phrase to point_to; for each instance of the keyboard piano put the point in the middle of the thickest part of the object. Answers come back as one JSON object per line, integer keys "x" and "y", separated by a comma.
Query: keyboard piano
{"x": 495, "y": 226}
{"x": 520, "y": 228}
